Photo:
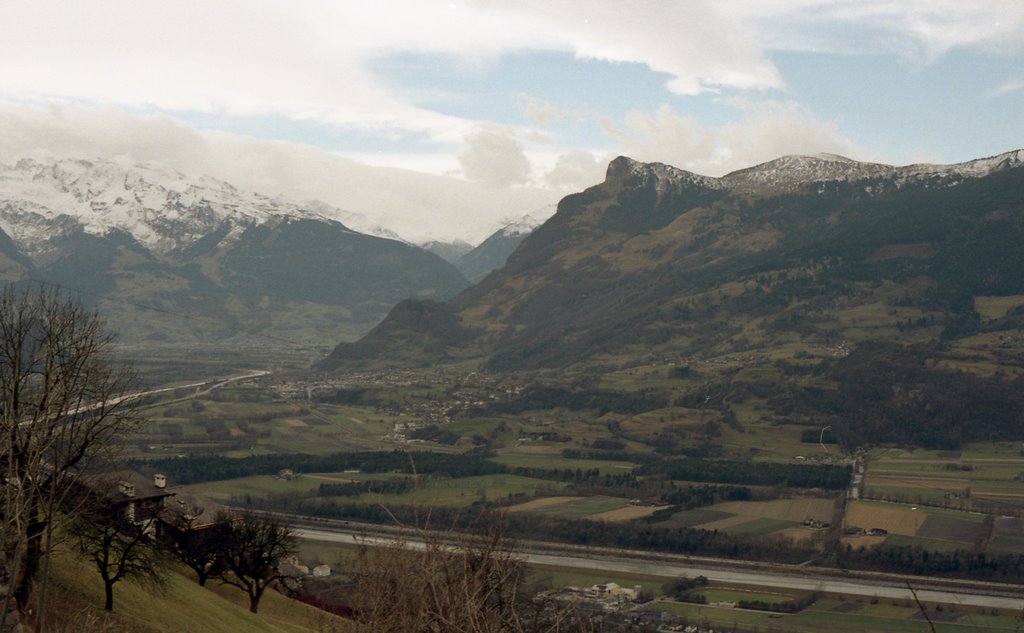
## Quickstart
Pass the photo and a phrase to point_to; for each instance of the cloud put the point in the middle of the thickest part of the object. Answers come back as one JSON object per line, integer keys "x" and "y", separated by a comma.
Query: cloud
{"x": 419, "y": 206}
{"x": 698, "y": 44}
{"x": 312, "y": 59}
{"x": 494, "y": 158}
{"x": 576, "y": 170}
{"x": 920, "y": 31}
{"x": 1008, "y": 87}
{"x": 541, "y": 112}
{"x": 768, "y": 129}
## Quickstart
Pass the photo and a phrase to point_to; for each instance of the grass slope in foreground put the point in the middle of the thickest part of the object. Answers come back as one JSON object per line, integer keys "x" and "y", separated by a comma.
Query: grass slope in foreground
{"x": 179, "y": 605}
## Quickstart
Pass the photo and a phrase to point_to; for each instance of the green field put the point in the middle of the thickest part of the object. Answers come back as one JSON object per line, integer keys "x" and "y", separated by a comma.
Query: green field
{"x": 698, "y": 516}
{"x": 737, "y": 595}
{"x": 541, "y": 460}
{"x": 760, "y": 526}
{"x": 945, "y": 528}
{"x": 464, "y": 491}
{"x": 831, "y": 615}
{"x": 439, "y": 491}
{"x": 583, "y": 506}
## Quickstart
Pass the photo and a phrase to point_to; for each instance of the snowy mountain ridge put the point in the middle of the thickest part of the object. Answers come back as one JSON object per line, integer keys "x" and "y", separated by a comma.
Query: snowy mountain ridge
{"x": 162, "y": 209}
{"x": 525, "y": 224}
{"x": 793, "y": 171}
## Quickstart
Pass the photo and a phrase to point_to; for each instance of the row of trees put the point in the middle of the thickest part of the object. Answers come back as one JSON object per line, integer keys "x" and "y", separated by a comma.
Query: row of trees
{"x": 243, "y": 550}
{"x": 64, "y": 406}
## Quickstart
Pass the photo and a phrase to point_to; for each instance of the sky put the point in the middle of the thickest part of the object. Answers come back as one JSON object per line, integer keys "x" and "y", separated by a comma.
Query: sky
{"x": 442, "y": 120}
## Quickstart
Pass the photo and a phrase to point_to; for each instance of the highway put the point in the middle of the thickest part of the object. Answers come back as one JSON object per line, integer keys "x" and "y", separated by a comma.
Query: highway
{"x": 210, "y": 384}
{"x": 671, "y": 567}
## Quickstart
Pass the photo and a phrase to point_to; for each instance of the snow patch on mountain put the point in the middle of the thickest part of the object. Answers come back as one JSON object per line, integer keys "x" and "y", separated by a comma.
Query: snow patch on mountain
{"x": 526, "y": 224}
{"x": 790, "y": 172}
{"x": 664, "y": 176}
{"x": 355, "y": 221}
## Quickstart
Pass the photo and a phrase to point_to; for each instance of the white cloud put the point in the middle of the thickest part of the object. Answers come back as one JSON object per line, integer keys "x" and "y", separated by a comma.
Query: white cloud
{"x": 576, "y": 170}
{"x": 494, "y": 158}
{"x": 697, "y": 43}
{"x": 419, "y": 206}
{"x": 919, "y": 30}
{"x": 767, "y": 130}
{"x": 310, "y": 59}
{"x": 1008, "y": 87}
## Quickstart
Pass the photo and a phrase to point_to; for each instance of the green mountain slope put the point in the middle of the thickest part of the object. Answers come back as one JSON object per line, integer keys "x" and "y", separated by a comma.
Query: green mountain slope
{"x": 303, "y": 280}
{"x": 658, "y": 265}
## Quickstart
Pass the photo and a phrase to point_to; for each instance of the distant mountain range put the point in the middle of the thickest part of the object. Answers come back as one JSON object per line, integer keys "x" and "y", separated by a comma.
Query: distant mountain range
{"x": 803, "y": 264}
{"x": 174, "y": 259}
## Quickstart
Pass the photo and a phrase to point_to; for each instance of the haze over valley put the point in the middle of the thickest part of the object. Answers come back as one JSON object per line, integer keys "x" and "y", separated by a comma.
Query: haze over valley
{"x": 512, "y": 317}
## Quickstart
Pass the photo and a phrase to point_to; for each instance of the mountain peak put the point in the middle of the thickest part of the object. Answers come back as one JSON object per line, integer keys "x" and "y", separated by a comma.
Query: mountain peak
{"x": 161, "y": 208}
{"x": 623, "y": 168}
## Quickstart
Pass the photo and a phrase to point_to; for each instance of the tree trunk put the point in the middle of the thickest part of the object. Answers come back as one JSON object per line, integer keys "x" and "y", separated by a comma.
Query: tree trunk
{"x": 108, "y": 602}
{"x": 254, "y": 602}
{"x": 29, "y": 562}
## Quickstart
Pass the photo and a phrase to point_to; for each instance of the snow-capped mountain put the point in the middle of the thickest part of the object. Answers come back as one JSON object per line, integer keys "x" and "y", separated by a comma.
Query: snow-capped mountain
{"x": 495, "y": 250}
{"x": 170, "y": 257}
{"x": 664, "y": 176}
{"x": 789, "y": 172}
{"x": 162, "y": 209}
{"x": 351, "y": 219}
{"x": 524, "y": 225}
{"x": 449, "y": 251}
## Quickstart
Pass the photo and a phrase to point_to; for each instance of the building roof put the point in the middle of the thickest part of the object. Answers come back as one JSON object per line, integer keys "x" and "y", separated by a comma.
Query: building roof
{"x": 127, "y": 484}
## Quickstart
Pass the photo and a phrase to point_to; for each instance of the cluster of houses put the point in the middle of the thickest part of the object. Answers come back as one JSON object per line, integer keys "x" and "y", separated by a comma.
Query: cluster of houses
{"x": 613, "y": 604}
{"x": 607, "y": 597}
{"x": 815, "y": 524}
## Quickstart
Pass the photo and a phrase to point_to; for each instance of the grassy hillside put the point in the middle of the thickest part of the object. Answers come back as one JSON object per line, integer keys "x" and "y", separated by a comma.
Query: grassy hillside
{"x": 180, "y": 605}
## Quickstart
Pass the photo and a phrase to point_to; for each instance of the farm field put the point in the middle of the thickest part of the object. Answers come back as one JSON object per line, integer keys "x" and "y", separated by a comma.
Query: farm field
{"x": 784, "y": 517}
{"x": 463, "y": 491}
{"x": 984, "y": 476}
{"x": 575, "y": 507}
{"x": 243, "y": 420}
{"x": 932, "y": 528}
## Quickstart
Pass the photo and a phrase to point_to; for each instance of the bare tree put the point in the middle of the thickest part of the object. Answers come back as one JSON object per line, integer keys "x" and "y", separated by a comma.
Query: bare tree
{"x": 452, "y": 582}
{"x": 119, "y": 546}
{"x": 196, "y": 541}
{"x": 254, "y": 546}
{"x": 61, "y": 404}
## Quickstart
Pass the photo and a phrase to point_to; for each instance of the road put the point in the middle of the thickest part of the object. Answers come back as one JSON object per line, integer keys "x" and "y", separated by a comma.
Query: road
{"x": 214, "y": 383}
{"x": 761, "y": 578}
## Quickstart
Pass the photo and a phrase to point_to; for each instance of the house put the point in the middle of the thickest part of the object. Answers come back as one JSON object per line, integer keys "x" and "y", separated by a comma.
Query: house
{"x": 139, "y": 498}
{"x": 186, "y": 519}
